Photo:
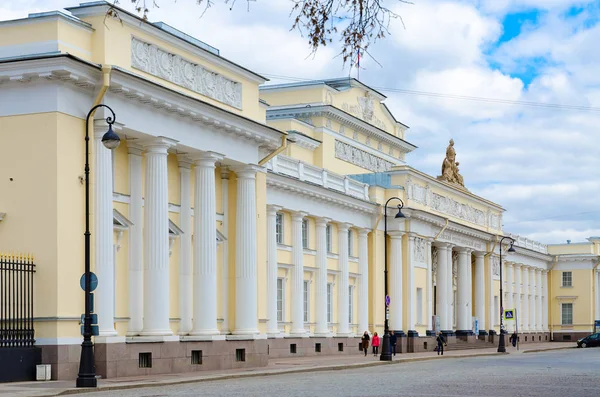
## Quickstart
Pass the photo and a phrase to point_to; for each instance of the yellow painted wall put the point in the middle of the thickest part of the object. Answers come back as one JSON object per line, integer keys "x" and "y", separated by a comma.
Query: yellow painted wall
{"x": 580, "y": 295}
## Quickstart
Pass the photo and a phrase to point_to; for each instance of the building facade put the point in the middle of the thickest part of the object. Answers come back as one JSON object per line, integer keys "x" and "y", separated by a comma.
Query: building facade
{"x": 236, "y": 221}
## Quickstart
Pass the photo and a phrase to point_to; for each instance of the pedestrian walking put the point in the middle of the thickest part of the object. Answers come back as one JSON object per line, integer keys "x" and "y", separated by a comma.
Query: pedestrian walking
{"x": 375, "y": 343}
{"x": 513, "y": 338}
{"x": 365, "y": 342}
{"x": 393, "y": 342}
{"x": 441, "y": 342}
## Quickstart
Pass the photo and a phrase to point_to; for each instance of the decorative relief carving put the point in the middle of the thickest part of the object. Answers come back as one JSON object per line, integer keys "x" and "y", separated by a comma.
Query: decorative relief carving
{"x": 328, "y": 99}
{"x": 434, "y": 261}
{"x": 391, "y": 152}
{"x": 158, "y": 62}
{"x": 342, "y": 130}
{"x": 355, "y": 135}
{"x": 462, "y": 241}
{"x": 328, "y": 123}
{"x": 452, "y": 207}
{"x": 364, "y": 109}
{"x": 419, "y": 250}
{"x": 454, "y": 268}
{"x": 495, "y": 265}
{"x": 358, "y": 157}
{"x": 368, "y": 141}
{"x": 379, "y": 146}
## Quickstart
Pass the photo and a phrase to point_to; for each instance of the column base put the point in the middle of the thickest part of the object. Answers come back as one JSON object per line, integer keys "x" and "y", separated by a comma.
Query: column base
{"x": 108, "y": 334}
{"x": 412, "y": 334}
{"x": 343, "y": 335}
{"x": 275, "y": 335}
{"x": 201, "y": 338}
{"x": 322, "y": 335}
{"x": 298, "y": 335}
{"x": 152, "y": 339}
{"x": 109, "y": 339}
{"x": 256, "y": 336}
{"x": 160, "y": 332}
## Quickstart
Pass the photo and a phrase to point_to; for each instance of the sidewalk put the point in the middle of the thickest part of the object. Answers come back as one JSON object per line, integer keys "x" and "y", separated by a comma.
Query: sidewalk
{"x": 275, "y": 367}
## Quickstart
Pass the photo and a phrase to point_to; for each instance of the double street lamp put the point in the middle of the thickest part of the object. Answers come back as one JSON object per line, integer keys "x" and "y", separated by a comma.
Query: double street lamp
{"x": 501, "y": 342}
{"x": 87, "y": 368}
{"x": 386, "y": 354}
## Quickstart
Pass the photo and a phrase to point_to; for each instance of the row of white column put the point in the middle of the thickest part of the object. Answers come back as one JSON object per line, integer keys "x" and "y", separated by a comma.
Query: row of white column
{"x": 297, "y": 282}
{"x": 528, "y": 295}
{"x": 149, "y": 286}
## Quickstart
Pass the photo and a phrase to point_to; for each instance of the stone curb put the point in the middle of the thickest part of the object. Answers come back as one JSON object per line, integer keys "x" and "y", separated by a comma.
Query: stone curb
{"x": 258, "y": 374}
{"x": 547, "y": 350}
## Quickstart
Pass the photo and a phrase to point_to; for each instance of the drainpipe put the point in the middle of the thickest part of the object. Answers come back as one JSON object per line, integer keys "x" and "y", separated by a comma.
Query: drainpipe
{"x": 284, "y": 145}
{"x": 493, "y": 248}
{"x": 442, "y": 230}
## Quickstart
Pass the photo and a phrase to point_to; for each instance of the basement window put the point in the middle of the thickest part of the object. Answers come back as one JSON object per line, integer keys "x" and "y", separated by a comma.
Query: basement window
{"x": 145, "y": 360}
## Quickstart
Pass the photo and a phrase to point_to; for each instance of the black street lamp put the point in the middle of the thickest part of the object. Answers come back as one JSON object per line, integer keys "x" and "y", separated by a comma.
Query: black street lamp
{"x": 501, "y": 343}
{"x": 87, "y": 368}
{"x": 386, "y": 354}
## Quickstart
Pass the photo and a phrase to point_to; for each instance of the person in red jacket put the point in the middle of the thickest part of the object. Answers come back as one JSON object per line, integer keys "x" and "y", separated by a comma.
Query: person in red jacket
{"x": 375, "y": 344}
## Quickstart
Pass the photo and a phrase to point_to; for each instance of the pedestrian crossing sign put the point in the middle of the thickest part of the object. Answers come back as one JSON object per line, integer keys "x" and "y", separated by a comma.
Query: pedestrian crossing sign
{"x": 509, "y": 315}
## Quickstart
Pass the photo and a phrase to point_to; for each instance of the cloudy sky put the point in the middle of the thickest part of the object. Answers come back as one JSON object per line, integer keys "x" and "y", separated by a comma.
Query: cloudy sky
{"x": 541, "y": 163}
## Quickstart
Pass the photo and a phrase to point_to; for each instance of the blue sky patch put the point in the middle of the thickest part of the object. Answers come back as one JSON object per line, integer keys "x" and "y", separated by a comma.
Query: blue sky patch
{"x": 513, "y": 24}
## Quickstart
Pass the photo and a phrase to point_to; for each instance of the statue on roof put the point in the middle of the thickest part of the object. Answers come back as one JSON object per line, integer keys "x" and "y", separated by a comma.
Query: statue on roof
{"x": 450, "y": 170}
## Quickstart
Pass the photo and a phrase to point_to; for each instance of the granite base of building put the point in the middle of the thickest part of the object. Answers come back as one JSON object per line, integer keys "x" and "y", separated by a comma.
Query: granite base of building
{"x": 314, "y": 346}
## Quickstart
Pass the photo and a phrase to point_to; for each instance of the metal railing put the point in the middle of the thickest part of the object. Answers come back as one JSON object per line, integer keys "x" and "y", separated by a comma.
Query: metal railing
{"x": 16, "y": 300}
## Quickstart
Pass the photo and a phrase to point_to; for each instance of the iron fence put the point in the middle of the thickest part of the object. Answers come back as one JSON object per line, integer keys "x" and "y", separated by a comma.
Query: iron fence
{"x": 16, "y": 300}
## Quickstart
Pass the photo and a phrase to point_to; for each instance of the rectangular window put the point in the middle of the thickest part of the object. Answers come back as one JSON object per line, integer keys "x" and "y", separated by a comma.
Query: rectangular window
{"x": 350, "y": 248}
{"x": 279, "y": 228}
{"x": 280, "y": 299}
{"x": 567, "y": 313}
{"x": 304, "y": 233}
{"x": 351, "y": 304}
{"x": 567, "y": 279}
{"x": 306, "y": 301}
{"x": 328, "y": 236}
{"x": 419, "y": 305}
{"x": 329, "y": 297}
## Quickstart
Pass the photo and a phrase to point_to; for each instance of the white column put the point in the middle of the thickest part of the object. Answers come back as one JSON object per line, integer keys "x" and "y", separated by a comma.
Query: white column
{"x": 545, "y": 301}
{"x": 322, "y": 328}
{"x": 450, "y": 289}
{"x": 410, "y": 285}
{"x": 272, "y": 327}
{"x": 103, "y": 236}
{"x": 225, "y": 252}
{"x": 525, "y": 301}
{"x": 532, "y": 314}
{"x": 538, "y": 300}
{"x": 185, "y": 248}
{"x": 343, "y": 302}
{"x": 246, "y": 299}
{"x": 136, "y": 241}
{"x": 597, "y": 289}
{"x": 363, "y": 283}
{"x": 464, "y": 306}
{"x": 510, "y": 325}
{"x": 298, "y": 275}
{"x": 395, "y": 282}
{"x": 517, "y": 271}
{"x": 429, "y": 286}
{"x": 156, "y": 239}
{"x": 205, "y": 246}
{"x": 480, "y": 290}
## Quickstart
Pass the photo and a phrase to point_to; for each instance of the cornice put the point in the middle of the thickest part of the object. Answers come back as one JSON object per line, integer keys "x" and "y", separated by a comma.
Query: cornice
{"x": 344, "y": 118}
{"x": 148, "y": 93}
{"x": 533, "y": 254}
{"x": 285, "y": 183}
{"x": 440, "y": 221}
{"x": 578, "y": 258}
{"x": 303, "y": 141}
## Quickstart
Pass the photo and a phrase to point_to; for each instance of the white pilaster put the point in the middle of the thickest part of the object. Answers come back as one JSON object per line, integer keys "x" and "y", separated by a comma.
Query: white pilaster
{"x": 225, "y": 253}
{"x": 272, "y": 327}
{"x": 517, "y": 271}
{"x": 156, "y": 239}
{"x": 298, "y": 275}
{"x": 205, "y": 246}
{"x": 136, "y": 241}
{"x": 464, "y": 307}
{"x": 429, "y": 287}
{"x": 525, "y": 301}
{"x": 322, "y": 328}
{"x": 410, "y": 285}
{"x": 185, "y": 251}
{"x": 450, "y": 290}
{"x": 532, "y": 313}
{"x": 510, "y": 325}
{"x": 538, "y": 300}
{"x": 480, "y": 290}
{"x": 545, "y": 301}
{"x": 395, "y": 282}
{"x": 363, "y": 283}
{"x": 246, "y": 300}
{"x": 597, "y": 289}
{"x": 103, "y": 236}
{"x": 343, "y": 296}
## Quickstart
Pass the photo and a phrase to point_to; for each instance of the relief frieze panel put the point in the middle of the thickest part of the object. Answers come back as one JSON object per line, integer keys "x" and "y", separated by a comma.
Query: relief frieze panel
{"x": 159, "y": 62}
{"x": 356, "y": 156}
{"x": 463, "y": 241}
{"x": 419, "y": 250}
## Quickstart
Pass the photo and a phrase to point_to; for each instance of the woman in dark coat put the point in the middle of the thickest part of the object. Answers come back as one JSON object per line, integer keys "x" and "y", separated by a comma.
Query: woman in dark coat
{"x": 365, "y": 342}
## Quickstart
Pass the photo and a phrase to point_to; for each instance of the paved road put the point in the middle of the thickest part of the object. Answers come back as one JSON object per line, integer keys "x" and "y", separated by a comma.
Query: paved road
{"x": 564, "y": 373}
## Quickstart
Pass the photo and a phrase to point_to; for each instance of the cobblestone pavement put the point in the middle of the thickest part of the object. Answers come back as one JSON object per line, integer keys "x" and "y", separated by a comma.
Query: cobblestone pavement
{"x": 562, "y": 373}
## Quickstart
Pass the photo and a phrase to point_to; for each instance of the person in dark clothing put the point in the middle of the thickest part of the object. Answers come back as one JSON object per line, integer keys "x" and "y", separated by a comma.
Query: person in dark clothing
{"x": 513, "y": 339}
{"x": 441, "y": 342}
{"x": 365, "y": 342}
{"x": 393, "y": 342}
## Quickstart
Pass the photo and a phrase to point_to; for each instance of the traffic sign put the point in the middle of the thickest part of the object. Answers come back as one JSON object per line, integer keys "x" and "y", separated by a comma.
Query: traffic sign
{"x": 509, "y": 315}
{"x": 93, "y": 281}
{"x": 387, "y": 300}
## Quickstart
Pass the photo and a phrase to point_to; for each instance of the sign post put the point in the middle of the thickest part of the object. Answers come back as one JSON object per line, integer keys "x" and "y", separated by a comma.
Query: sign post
{"x": 511, "y": 315}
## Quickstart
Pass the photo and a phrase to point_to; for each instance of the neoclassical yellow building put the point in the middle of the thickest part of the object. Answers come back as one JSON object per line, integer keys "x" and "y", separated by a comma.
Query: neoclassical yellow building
{"x": 238, "y": 221}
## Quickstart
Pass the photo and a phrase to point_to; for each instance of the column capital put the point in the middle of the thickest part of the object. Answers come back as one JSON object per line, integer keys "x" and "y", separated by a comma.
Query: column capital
{"x": 273, "y": 209}
{"x": 363, "y": 231}
{"x": 158, "y": 145}
{"x": 464, "y": 250}
{"x": 207, "y": 159}
{"x": 298, "y": 214}
{"x": 411, "y": 235}
{"x": 395, "y": 234}
{"x": 134, "y": 147}
{"x": 247, "y": 171}
{"x": 479, "y": 254}
{"x": 225, "y": 172}
{"x": 343, "y": 226}
{"x": 516, "y": 265}
{"x": 184, "y": 162}
{"x": 321, "y": 221}
{"x": 439, "y": 244}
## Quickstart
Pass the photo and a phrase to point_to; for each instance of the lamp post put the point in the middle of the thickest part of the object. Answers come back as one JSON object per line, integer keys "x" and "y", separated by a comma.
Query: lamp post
{"x": 87, "y": 369}
{"x": 501, "y": 343}
{"x": 386, "y": 354}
